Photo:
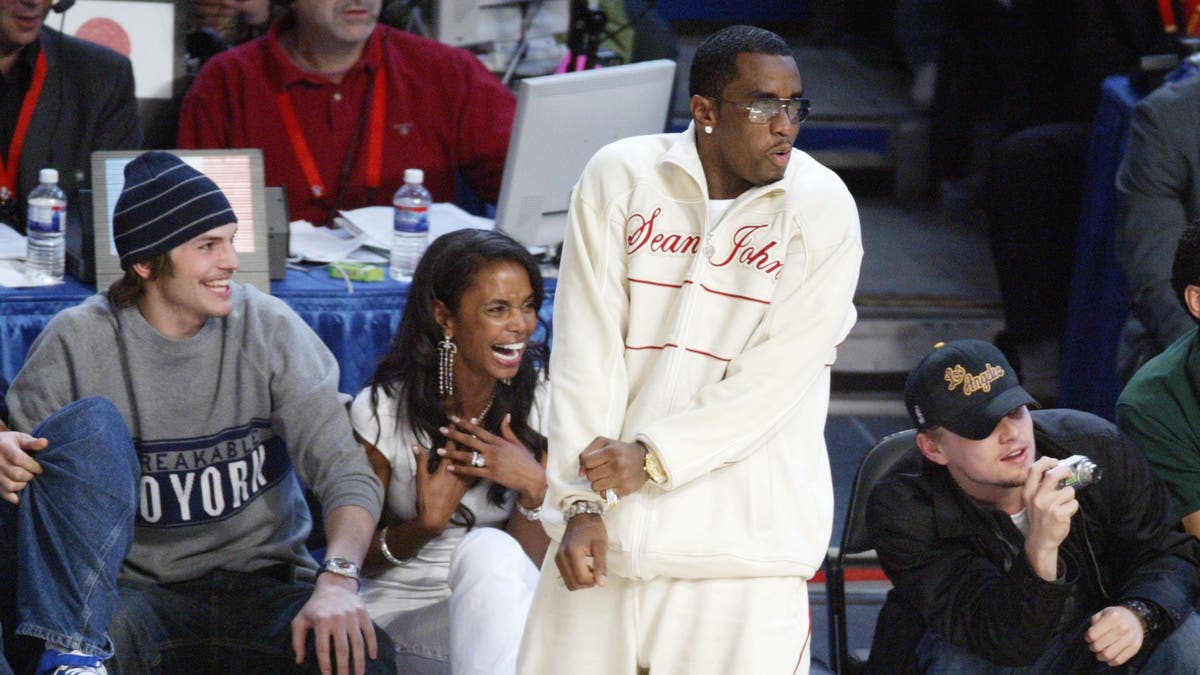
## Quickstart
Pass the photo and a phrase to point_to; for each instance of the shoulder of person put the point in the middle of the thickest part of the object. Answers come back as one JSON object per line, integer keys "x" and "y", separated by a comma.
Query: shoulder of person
{"x": 94, "y": 310}
{"x": 362, "y": 408}
{"x": 260, "y": 306}
{"x": 1064, "y": 425}
{"x": 81, "y": 54}
{"x": 409, "y": 46}
{"x": 635, "y": 157}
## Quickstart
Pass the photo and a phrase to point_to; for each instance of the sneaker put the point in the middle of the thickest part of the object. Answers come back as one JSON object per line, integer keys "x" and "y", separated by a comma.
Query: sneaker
{"x": 54, "y": 662}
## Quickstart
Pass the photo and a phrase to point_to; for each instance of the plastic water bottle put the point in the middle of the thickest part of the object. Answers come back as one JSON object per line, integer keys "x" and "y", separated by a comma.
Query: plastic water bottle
{"x": 45, "y": 229}
{"x": 410, "y": 224}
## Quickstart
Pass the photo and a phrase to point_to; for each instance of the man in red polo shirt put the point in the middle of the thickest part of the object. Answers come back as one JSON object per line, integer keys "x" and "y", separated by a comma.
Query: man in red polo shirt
{"x": 341, "y": 105}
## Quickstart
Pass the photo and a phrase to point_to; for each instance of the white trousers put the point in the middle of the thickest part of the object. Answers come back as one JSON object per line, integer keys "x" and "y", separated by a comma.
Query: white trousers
{"x": 478, "y": 628}
{"x": 492, "y": 582}
{"x": 694, "y": 626}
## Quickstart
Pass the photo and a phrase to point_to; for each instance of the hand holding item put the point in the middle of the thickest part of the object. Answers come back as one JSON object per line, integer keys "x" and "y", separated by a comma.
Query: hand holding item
{"x": 1049, "y": 509}
{"x": 614, "y": 465}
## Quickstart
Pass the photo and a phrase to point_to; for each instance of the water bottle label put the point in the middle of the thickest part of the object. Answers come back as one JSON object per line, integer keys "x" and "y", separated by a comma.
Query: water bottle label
{"x": 46, "y": 218}
{"x": 411, "y": 219}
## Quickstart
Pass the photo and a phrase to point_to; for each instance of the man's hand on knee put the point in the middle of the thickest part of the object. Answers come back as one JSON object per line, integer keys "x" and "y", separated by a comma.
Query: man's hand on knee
{"x": 1115, "y": 635}
{"x": 17, "y": 467}
{"x": 342, "y": 630}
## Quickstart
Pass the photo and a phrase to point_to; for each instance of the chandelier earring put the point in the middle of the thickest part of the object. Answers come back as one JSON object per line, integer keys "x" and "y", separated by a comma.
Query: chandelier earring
{"x": 446, "y": 351}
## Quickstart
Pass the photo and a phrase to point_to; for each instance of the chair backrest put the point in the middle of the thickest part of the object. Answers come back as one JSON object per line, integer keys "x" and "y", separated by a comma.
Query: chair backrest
{"x": 897, "y": 452}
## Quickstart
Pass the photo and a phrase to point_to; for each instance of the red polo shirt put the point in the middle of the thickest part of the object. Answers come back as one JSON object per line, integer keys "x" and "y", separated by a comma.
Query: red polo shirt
{"x": 445, "y": 114}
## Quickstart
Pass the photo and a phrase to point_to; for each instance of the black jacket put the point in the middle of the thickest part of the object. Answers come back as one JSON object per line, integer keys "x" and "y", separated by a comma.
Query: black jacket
{"x": 959, "y": 568}
{"x": 87, "y": 104}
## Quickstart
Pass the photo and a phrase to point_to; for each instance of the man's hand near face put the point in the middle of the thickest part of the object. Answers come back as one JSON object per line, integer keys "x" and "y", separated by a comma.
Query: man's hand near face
{"x": 1049, "y": 509}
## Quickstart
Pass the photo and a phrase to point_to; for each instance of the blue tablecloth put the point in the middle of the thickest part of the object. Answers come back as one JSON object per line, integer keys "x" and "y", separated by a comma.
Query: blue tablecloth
{"x": 1098, "y": 307}
{"x": 355, "y": 322}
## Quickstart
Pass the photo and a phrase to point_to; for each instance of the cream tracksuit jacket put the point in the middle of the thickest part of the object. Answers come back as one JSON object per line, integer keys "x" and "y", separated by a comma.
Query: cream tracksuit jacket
{"x": 711, "y": 343}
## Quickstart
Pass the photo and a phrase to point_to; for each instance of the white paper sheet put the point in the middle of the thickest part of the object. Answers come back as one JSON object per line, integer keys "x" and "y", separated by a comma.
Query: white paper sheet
{"x": 12, "y": 243}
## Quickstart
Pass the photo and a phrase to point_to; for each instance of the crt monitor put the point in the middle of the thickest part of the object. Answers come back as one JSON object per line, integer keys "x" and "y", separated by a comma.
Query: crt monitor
{"x": 561, "y": 121}
{"x": 239, "y": 174}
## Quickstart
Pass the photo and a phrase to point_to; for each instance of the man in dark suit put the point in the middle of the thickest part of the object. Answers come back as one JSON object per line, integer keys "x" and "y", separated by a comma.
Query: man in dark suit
{"x": 60, "y": 99}
{"x": 1159, "y": 189}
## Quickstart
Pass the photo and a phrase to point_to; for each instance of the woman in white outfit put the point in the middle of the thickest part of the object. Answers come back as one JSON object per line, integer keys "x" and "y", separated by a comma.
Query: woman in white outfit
{"x": 453, "y": 422}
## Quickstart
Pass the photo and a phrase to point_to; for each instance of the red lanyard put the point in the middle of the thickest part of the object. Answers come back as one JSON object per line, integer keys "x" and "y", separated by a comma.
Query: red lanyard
{"x": 374, "y": 134}
{"x": 1167, "y": 13}
{"x": 9, "y": 169}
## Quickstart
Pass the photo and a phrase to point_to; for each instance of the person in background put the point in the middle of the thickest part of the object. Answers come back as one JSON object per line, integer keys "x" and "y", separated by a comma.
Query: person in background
{"x": 1158, "y": 185}
{"x": 341, "y": 105}
{"x": 1016, "y": 147}
{"x": 707, "y": 279}
{"x": 1159, "y": 407}
{"x": 61, "y": 99}
{"x": 452, "y": 421}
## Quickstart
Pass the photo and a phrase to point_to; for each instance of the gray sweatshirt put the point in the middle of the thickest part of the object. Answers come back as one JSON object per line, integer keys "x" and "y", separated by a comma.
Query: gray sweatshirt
{"x": 227, "y": 424}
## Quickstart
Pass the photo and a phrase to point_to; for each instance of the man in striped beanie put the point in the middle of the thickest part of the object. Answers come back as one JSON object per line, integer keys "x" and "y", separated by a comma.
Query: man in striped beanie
{"x": 232, "y": 402}
{"x": 165, "y": 203}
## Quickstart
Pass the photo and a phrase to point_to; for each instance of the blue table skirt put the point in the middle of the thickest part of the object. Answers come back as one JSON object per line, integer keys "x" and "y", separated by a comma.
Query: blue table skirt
{"x": 355, "y": 322}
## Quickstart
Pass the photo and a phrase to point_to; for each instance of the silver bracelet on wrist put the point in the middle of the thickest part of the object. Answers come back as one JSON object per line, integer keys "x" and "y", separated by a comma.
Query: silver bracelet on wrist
{"x": 383, "y": 548}
{"x": 580, "y": 507}
{"x": 534, "y": 514}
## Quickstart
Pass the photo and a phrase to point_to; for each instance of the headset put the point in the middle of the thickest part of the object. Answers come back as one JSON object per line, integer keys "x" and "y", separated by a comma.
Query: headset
{"x": 62, "y": 6}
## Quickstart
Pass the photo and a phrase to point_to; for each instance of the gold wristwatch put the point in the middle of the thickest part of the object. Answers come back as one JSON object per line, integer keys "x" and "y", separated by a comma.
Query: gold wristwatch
{"x": 654, "y": 468}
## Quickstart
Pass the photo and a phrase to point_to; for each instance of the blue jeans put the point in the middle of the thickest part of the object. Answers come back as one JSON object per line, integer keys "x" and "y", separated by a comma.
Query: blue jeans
{"x": 61, "y": 548}
{"x": 222, "y": 622}
{"x": 1178, "y": 653}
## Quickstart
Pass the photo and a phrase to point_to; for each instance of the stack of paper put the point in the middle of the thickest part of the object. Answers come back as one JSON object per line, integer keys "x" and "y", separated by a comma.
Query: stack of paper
{"x": 365, "y": 234}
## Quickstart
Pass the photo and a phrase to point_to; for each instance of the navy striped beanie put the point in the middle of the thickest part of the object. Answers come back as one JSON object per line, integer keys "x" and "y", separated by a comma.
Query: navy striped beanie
{"x": 164, "y": 203}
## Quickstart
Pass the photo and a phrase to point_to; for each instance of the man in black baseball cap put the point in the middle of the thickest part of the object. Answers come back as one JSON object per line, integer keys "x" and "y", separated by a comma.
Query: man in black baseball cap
{"x": 1006, "y": 559}
{"x": 966, "y": 387}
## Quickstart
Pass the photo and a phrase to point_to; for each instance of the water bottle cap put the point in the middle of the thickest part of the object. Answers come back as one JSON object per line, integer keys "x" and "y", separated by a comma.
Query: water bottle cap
{"x": 414, "y": 176}
{"x": 48, "y": 176}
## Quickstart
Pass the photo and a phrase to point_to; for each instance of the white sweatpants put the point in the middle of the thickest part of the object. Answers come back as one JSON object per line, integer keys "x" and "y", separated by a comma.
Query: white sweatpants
{"x": 661, "y": 626}
{"x": 492, "y": 582}
{"x": 478, "y": 628}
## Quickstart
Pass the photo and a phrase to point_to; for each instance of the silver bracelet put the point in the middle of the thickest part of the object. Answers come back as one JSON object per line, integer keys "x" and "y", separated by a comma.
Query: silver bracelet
{"x": 580, "y": 507}
{"x": 534, "y": 514}
{"x": 384, "y": 549}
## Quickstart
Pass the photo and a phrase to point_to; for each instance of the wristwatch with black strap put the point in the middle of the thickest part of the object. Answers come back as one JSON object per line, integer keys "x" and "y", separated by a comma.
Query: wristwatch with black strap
{"x": 1150, "y": 614}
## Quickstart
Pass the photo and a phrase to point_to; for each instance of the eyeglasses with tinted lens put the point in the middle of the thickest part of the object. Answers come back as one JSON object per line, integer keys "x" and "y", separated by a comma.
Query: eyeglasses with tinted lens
{"x": 763, "y": 110}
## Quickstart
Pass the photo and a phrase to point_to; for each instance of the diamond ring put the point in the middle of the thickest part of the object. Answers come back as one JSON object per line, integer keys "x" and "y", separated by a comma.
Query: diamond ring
{"x": 477, "y": 459}
{"x": 610, "y": 497}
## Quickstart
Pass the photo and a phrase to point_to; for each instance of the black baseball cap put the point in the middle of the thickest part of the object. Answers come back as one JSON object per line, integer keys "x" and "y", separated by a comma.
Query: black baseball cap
{"x": 966, "y": 386}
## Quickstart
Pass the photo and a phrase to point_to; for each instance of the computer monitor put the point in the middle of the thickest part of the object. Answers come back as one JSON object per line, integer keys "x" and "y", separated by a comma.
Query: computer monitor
{"x": 463, "y": 23}
{"x": 561, "y": 121}
{"x": 239, "y": 174}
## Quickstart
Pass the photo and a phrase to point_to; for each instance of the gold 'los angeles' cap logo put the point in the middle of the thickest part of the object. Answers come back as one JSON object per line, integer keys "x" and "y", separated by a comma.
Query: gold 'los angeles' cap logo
{"x": 958, "y": 375}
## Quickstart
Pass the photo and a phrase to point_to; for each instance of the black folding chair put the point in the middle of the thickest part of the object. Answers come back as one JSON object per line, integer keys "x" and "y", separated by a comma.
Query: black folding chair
{"x": 895, "y": 452}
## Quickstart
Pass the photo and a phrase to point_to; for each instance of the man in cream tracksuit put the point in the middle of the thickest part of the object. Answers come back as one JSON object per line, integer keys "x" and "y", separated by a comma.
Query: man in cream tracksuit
{"x": 707, "y": 279}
